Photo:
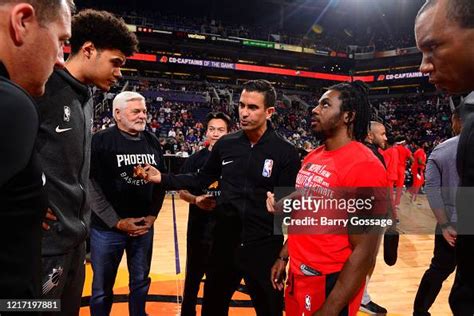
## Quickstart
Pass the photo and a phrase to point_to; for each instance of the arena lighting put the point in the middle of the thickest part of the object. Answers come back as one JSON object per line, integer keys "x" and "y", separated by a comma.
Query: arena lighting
{"x": 136, "y": 56}
{"x": 395, "y": 87}
{"x": 277, "y": 65}
{"x": 264, "y": 69}
{"x": 305, "y": 74}
{"x": 331, "y": 3}
{"x": 247, "y": 61}
{"x": 143, "y": 57}
{"x": 387, "y": 69}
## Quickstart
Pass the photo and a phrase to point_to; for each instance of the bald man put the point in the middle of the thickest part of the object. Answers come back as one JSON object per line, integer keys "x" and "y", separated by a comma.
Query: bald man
{"x": 444, "y": 32}
{"x": 376, "y": 140}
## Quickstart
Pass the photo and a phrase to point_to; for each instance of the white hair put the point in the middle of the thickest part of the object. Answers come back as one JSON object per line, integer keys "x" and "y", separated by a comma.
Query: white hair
{"x": 121, "y": 100}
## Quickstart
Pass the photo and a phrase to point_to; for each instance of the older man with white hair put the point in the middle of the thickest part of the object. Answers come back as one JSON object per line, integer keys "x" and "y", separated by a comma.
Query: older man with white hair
{"x": 124, "y": 207}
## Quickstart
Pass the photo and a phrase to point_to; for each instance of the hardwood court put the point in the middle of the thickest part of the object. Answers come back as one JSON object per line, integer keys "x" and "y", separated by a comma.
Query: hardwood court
{"x": 392, "y": 287}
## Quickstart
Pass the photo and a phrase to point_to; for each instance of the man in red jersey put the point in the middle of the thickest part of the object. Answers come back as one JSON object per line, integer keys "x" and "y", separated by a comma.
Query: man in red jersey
{"x": 418, "y": 171}
{"x": 404, "y": 154}
{"x": 327, "y": 271}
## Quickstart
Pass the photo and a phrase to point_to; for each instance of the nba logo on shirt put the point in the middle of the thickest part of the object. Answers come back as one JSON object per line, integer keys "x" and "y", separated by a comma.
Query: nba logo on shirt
{"x": 267, "y": 168}
{"x": 307, "y": 302}
{"x": 67, "y": 114}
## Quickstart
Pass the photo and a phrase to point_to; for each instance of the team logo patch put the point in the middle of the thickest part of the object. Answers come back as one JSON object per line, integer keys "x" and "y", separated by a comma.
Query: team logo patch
{"x": 214, "y": 185}
{"x": 67, "y": 114}
{"x": 267, "y": 168}
{"x": 53, "y": 279}
{"x": 307, "y": 302}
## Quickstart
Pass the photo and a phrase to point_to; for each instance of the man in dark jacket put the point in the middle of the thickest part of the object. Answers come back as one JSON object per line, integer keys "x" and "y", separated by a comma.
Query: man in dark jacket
{"x": 444, "y": 32}
{"x": 63, "y": 146}
{"x": 248, "y": 163}
{"x": 26, "y": 27}
{"x": 201, "y": 219}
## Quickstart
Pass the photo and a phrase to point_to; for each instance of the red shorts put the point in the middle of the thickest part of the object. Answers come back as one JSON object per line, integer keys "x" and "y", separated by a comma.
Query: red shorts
{"x": 401, "y": 178}
{"x": 304, "y": 295}
{"x": 418, "y": 180}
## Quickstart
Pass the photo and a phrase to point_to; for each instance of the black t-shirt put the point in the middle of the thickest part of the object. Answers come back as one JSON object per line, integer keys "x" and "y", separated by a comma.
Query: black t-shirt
{"x": 376, "y": 152}
{"x": 23, "y": 199}
{"x": 200, "y": 222}
{"x": 113, "y": 157}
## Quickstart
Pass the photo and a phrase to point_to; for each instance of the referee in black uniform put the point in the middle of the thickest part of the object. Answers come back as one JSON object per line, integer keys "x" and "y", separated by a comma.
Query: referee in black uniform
{"x": 247, "y": 163}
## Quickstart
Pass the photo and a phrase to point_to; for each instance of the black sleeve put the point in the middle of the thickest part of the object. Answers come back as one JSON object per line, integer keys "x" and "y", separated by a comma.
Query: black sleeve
{"x": 464, "y": 195}
{"x": 99, "y": 203}
{"x": 101, "y": 206}
{"x": 197, "y": 180}
{"x": 188, "y": 165}
{"x": 290, "y": 169}
{"x": 465, "y": 152}
{"x": 286, "y": 181}
{"x": 96, "y": 172}
{"x": 159, "y": 191}
{"x": 19, "y": 124}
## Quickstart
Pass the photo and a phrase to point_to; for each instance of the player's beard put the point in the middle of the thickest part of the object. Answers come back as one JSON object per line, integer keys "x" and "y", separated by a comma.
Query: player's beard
{"x": 324, "y": 134}
{"x": 319, "y": 136}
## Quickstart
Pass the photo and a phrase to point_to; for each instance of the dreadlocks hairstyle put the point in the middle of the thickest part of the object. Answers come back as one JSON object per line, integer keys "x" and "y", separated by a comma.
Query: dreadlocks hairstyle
{"x": 355, "y": 100}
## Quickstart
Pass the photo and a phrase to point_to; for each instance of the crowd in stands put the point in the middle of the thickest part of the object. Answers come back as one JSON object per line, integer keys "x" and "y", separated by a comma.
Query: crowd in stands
{"x": 419, "y": 119}
{"x": 180, "y": 124}
{"x": 329, "y": 40}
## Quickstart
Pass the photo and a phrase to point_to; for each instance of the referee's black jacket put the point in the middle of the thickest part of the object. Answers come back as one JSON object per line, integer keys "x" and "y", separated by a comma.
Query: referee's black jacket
{"x": 245, "y": 173}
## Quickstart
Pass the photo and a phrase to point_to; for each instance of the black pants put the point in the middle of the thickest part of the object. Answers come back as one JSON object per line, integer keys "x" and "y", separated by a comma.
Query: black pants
{"x": 63, "y": 278}
{"x": 461, "y": 298}
{"x": 442, "y": 265}
{"x": 231, "y": 261}
{"x": 197, "y": 263}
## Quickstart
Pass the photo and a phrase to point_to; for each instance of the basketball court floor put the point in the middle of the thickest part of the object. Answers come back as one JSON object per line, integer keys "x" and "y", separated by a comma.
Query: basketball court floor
{"x": 392, "y": 287}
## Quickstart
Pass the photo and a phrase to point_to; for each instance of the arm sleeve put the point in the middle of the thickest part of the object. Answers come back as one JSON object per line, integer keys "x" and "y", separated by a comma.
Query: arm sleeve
{"x": 433, "y": 184}
{"x": 285, "y": 184}
{"x": 465, "y": 159}
{"x": 465, "y": 152}
{"x": 290, "y": 170}
{"x": 197, "y": 180}
{"x": 187, "y": 165}
{"x": 98, "y": 201}
{"x": 19, "y": 123}
{"x": 159, "y": 191}
{"x": 101, "y": 206}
